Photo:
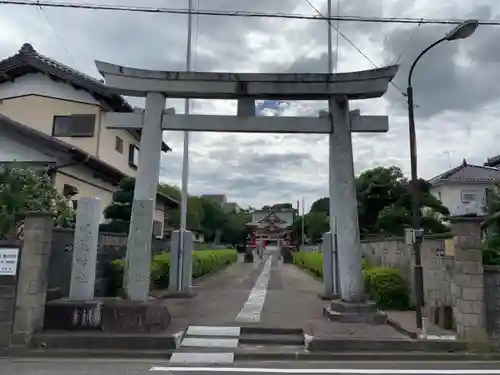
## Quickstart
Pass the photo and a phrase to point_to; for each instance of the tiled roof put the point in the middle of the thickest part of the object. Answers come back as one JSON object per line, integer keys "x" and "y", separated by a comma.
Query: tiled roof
{"x": 468, "y": 173}
{"x": 28, "y": 60}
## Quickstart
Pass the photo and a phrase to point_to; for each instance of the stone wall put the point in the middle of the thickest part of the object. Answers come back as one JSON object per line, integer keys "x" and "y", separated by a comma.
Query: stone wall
{"x": 393, "y": 252}
{"x": 492, "y": 300}
{"x": 111, "y": 246}
{"x": 459, "y": 291}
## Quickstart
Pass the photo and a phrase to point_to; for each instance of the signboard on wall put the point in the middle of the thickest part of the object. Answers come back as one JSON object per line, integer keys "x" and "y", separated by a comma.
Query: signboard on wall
{"x": 9, "y": 256}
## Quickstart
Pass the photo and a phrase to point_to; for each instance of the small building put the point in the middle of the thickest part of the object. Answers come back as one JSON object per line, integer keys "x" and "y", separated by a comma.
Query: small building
{"x": 272, "y": 226}
{"x": 53, "y": 115}
{"x": 30, "y": 148}
{"x": 221, "y": 199}
{"x": 466, "y": 188}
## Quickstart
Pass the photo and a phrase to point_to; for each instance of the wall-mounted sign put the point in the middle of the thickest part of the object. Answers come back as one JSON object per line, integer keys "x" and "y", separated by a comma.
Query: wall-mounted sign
{"x": 449, "y": 247}
{"x": 8, "y": 261}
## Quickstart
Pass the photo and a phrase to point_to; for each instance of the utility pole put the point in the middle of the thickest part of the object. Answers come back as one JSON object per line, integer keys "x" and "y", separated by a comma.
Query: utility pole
{"x": 333, "y": 226}
{"x": 185, "y": 155}
{"x": 303, "y": 222}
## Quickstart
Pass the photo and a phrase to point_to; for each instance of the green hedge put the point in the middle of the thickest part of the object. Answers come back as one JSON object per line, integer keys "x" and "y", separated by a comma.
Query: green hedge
{"x": 384, "y": 285}
{"x": 204, "y": 262}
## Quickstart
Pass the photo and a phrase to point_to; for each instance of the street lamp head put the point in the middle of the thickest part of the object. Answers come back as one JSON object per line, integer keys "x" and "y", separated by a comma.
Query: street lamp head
{"x": 462, "y": 31}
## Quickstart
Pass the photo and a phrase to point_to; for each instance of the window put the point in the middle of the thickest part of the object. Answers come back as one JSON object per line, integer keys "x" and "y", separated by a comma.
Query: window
{"x": 157, "y": 228}
{"x": 119, "y": 145}
{"x": 69, "y": 191}
{"x": 74, "y": 126}
{"x": 133, "y": 156}
{"x": 468, "y": 196}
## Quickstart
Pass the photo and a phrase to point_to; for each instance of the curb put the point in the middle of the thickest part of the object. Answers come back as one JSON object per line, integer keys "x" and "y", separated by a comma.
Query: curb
{"x": 398, "y": 327}
{"x": 346, "y": 345}
{"x": 255, "y": 356}
{"x": 371, "y": 357}
{"x": 84, "y": 353}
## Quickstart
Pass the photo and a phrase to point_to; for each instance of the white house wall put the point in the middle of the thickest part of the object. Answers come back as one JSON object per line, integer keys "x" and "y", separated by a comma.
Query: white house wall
{"x": 40, "y": 84}
{"x": 34, "y": 99}
{"x": 451, "y": 196}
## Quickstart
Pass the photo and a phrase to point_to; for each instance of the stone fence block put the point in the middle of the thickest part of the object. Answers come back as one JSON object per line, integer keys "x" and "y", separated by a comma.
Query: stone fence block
{"x": 470, "y": 307}
{"x": 466, "y": 241}
{"x": 472, "y": 294}
{"x": 469, "y": 268}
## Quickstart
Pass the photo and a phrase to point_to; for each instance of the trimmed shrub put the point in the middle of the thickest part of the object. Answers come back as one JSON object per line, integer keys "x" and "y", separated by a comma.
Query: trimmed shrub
{"x": 384, "y": 285}
{"x": 204, "y": 262}
{"x": 310, "y": 261}
{"x": 387, "y": 287}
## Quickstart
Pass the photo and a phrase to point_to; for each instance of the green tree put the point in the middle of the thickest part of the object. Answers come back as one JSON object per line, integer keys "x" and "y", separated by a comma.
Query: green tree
{"x": 321, "y": 205}
{"x": 317, "y": 225}
{"x": 119, "y": 212}
{"x": 384, "y": 203}
{"x": 24, "y": 189}
{"x": 170, "y": 190}
{"x": 235, "y": 229}
{"x": 213, "y": 221}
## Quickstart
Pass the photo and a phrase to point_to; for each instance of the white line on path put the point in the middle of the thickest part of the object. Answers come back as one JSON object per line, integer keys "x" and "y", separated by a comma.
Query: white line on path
{"x": 253, "y": 307}
{"x": 329, "y": 371}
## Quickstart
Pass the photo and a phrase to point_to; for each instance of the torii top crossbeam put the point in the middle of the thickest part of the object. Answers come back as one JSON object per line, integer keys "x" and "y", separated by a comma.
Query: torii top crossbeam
{"x": 283, "y": 86}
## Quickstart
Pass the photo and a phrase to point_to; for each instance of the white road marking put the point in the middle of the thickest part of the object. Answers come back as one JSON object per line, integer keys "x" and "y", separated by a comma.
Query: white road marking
{"x": 328, "y": 371}
{"x": 196, "y": 358}
{"x": 209, "y": 342}
{"x": 213, "y": 331}
{"x": 253, "y": 307}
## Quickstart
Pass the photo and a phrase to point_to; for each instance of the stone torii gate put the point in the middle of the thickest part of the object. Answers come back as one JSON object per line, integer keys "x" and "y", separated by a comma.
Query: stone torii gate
{"x": 339, "y": 122}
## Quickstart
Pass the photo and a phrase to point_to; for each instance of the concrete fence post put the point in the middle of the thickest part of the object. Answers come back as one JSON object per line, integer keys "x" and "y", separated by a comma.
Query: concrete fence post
{"x": 33, "y": 276}
{"x": 468, "y": 283}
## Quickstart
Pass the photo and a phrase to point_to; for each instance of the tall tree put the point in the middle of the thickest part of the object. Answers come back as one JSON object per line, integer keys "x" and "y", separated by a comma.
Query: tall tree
{"x": 317, "y": 225}
{"x": 119, "y": 212}
{"x": 321, "y": 205}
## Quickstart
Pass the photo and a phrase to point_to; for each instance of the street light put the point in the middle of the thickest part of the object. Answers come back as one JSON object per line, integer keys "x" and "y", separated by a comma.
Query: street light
{"x": 462, "y": 31}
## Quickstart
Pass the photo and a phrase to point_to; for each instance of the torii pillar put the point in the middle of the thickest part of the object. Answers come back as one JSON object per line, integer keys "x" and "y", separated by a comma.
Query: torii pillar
{"x": 138, "y": 259}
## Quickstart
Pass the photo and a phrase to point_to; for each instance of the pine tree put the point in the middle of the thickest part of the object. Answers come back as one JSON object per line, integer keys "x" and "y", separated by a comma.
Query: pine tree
{"x": 119, "y": 212}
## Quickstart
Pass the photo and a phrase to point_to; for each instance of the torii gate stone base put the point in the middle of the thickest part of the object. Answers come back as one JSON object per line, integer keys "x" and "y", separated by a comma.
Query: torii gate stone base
{"x": 337, "y": 89}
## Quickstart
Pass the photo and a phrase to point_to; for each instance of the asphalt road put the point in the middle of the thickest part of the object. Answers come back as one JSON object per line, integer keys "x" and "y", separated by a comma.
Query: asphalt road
{"x": 131, "y": 367}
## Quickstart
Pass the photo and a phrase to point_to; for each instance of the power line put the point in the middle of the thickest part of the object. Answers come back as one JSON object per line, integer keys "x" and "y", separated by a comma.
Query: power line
{"x": 55, "y": 32}
{"x": 247, "y": 14}
{"x": 308, "y": 2}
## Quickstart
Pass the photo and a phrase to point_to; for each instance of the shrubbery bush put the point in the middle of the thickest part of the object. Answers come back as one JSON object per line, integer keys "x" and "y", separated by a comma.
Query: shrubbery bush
{"x": 204, "y": 262}
{"x": 387, "y": 287}
{"x": 384, "y": 285}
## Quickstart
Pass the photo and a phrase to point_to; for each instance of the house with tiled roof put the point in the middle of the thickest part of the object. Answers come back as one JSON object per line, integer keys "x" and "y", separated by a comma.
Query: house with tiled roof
{"x": 466, "y": 188}
{"x": 51, "y": 112}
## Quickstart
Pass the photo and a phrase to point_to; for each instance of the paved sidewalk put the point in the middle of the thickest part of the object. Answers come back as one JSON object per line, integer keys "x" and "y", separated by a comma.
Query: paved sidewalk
{"x": 219, "y": 298}
{"x": 291, "y": 301}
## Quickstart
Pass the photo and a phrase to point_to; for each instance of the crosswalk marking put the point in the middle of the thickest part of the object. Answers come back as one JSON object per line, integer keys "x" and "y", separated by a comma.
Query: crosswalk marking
{"x": 209, "y": 342}
{"x": 213, "y": 331}
{"x": 201, "y": 358}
